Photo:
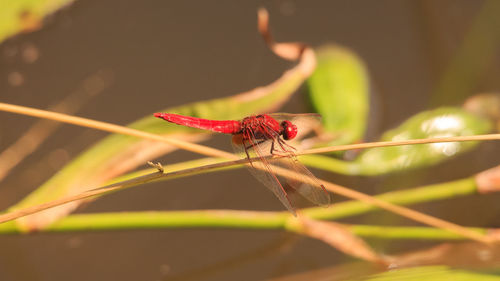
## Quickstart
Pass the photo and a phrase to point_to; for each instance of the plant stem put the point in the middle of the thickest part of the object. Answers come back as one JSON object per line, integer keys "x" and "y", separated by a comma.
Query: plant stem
{"x": 222, "y": 219}
{"x": 408, "y": 232}
{"x": 162, "y": 219}
{"x": 269, "y": 220}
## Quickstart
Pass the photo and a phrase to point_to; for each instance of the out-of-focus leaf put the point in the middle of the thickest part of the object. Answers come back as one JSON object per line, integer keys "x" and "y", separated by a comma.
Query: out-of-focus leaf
{"x": 442, "y": 122}
{"x": 341, "y": 238}
{"x": 432, "y": 273}
{"x": 474, "y": 55}
{"x": 18, "y": 16}
{"x": 486, "y": 105}
{"x": 118, "y": 154}
{"x": 339, "y": 91}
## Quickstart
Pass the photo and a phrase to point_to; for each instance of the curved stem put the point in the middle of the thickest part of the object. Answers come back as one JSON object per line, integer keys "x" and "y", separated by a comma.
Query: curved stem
{"x": 268, "y": 220}
{"x": 414, "y": 215}
{"x": 223, "y": 219}
{"x": 408, "y": 232}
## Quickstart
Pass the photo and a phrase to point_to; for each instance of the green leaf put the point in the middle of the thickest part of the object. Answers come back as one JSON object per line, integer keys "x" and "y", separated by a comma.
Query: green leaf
{"x": 339, "y": 91}
{"x": 432, "y": 273}
{"x": 25, "y": 15}
{"x": 442, "y": 122}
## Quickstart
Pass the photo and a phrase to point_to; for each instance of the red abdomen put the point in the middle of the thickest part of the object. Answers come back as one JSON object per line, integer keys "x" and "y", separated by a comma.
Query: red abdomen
{"x": 219, "y": 126}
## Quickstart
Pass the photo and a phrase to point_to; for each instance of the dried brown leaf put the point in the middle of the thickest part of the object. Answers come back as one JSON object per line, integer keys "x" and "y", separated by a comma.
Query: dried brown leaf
{"x": 293, "y": 51}
{"x": 341, "y": 238}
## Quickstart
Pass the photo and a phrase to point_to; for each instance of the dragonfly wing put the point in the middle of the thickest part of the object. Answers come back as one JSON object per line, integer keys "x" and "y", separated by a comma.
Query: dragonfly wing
{"x": 305, "y": 122}
{"x": 299, "y": 117}
{"x": 313, "y": 191}
{"x": 261, "y": 170}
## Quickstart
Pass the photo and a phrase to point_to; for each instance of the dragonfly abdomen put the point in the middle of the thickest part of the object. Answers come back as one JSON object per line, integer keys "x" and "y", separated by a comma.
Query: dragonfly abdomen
{"x": 219, "y": 126}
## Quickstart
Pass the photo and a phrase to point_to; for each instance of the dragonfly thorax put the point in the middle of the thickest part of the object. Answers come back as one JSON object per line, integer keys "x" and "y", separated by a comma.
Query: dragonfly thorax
{"x": 266, "y": 127}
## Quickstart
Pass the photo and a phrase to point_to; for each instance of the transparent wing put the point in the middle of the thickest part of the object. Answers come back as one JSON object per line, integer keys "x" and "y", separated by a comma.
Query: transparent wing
{"x": 305, "y": 122}
{"x": 313, "y": 190}
{"x": 295, "y": 116}
{"x": 261, "y": 169}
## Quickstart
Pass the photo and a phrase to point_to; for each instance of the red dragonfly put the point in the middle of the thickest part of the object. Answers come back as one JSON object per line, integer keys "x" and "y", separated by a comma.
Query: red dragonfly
{"x": 260, "y": 136}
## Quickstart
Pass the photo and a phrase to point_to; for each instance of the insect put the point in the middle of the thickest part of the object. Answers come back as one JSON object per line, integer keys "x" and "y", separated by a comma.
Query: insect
{"x": 260, "y": 136}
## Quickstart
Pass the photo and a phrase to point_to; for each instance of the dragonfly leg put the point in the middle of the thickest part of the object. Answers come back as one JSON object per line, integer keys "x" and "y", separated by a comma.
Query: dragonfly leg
{"x": 247, "y": 147}
{"x": 277, "y": 152}
{"x": 281, "y": 143}
{"x": 248, "y": 156}
{"x": 246, "y": 152}
{"x": 257, "y": 143}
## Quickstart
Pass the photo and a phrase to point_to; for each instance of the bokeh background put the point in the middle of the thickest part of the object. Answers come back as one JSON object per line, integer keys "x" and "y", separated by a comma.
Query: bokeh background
{"x": 159, "y": 54}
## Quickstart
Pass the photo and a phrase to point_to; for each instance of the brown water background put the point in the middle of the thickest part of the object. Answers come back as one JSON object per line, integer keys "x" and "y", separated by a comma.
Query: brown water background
{"x": 168, "y": 53}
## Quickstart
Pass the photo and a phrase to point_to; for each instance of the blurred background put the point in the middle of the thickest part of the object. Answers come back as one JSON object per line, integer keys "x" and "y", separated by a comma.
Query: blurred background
{"x": 158, "y": 54}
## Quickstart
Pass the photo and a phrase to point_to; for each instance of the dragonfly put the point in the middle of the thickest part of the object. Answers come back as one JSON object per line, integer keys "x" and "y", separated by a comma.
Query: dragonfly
{"x": 261, "y": 136}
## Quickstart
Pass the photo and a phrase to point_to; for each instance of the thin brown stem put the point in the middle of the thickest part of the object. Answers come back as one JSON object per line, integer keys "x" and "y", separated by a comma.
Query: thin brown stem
{"x": 42, "y": 129}
{"x": 84, "y": 195}
{"x": 414, "y": 215}
{"x": 398, "y": 143}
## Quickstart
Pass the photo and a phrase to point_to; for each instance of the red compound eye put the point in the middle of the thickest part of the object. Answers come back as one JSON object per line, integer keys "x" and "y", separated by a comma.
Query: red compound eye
{"x": 289, "y": 130}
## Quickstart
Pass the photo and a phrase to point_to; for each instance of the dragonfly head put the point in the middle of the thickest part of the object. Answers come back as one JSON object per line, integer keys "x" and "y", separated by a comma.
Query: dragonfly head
{"x": 289, "y": 130}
